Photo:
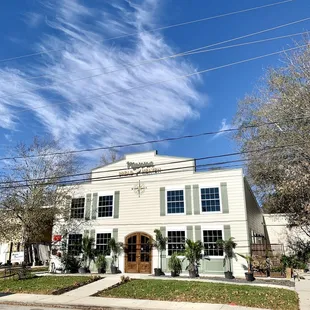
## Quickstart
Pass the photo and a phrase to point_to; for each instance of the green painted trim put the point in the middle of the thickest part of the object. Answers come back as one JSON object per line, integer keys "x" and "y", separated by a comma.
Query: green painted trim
{"x": 197, "y": 232}
{"x": 116, "y": 204}
{"x": 224, "y": 198}
{"x": 94, "y": 207}
{"x": 189, "y": 232}
{"x": 188, "y": 199}
{"x": 162, "y": 201}
{"x": 227, "y": 233}
{"x": 196, "y": 199}
{"x": 88, "y": 207}
{"x": 115, "y": 233}
{"x": 93, "y": 234}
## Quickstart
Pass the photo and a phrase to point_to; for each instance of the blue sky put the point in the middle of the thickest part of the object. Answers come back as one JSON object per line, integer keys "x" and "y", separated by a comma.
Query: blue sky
{"x": 37, "y": 97}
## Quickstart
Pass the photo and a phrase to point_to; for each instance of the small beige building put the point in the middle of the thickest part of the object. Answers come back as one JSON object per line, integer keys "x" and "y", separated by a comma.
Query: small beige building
{"x": 145, "y": 191}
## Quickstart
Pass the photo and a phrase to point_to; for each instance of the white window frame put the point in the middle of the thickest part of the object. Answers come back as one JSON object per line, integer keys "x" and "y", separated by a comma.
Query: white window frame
{"x": 103, "y": 231}
{"x": 85, "y": 201}
{"x": 101, "y": 194}
{"x": 210, "y": 227}
{"x": 175, "y": 228}
{"x": 178, "y": 188}
{"x": 220, "y": 197}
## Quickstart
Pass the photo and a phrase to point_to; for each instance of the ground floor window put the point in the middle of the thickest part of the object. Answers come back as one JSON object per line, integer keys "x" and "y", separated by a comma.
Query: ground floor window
{"x": 102, "y": 243}
{"x": 75, "y": 244}
{"x": 210, "y": 238}
{"x": 176, "y": 242}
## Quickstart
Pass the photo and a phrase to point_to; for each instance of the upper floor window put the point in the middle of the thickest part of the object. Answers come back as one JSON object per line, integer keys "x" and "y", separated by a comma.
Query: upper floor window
{"x": 75, "y": 244}
{"x": 176, "y": 241}
{"x": 102, "y": 243}
{"x": 175, "y": 201}
{"x": 210, "y": 238}
{"x": 105, "y": 206}
{"x": 77, "y": 208}
{"x": 210, "y": 199}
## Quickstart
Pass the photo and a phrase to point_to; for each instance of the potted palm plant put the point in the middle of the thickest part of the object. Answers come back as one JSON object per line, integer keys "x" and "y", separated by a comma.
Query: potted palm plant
{"x": 117, "y": 249}
{"x": 193, "y": 255}
{"x": 228, "y": 247}
{"x": 175, "y": 265}
{"x": 88, "y": 254}
{"x": 160, "y": 243}
{"x": 101, "y": 263}
{"x": 249, "y": 275}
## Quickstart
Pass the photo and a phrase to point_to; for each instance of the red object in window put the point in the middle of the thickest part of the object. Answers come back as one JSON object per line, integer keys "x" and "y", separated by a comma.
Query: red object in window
{"x": 57, "y": 238}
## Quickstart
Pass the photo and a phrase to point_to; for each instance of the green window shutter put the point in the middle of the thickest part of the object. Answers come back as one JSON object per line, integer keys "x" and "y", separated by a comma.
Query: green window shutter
{"x": 189, "y": 232}
{"x": 115, "y": 234}
{"x": 86, "y": 233}
{"x": 93, "y": 235}
{"x": 163, "y": 231}
{"x": 94, "y": 208}
{"x": 188, "y": 197}
{"x": 196, "y": 199}
{"x": 116, "y": 204}
{"x": 227, "y": 233}
{"x": 67, "y": 213}
{"x": 224, "y": 197}
{"x": 198, "y": 233}
{"x": 88, "y": 207}
{"x": 162, "y": 201}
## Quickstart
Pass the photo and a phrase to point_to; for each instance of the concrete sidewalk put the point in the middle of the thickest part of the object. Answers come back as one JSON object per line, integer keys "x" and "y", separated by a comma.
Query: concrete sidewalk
{"x": 302, "y": 287}
{"x": 114, "y": 303}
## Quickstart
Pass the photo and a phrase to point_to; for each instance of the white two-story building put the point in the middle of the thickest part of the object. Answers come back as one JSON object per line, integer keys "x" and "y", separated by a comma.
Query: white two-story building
{"x": 130, "y": 198}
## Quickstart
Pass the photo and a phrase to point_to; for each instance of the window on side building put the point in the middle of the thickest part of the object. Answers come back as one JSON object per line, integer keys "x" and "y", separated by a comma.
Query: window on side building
{"x": 176, "y": 241}
{"x": 102, "y": 243}
{"x": 105, "y": 206}
{"x": 77, "y": 208}
{"x": 210, "y": 199}
{"x": 210, "y": 238}
{"x": 75, "y": 244}
{"x": 175, "y": 201}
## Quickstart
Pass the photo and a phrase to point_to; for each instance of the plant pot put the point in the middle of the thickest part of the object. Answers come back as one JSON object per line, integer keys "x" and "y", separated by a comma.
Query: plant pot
{"x": 114, "y": 270}
{"x": 174, "y": 274}
{"x": 157, "y": 272}
{"x": 192, "y": 274}
{"x": 249, "y": 276}
{"x": 101, "y": 270}
{"x": 82, "y": 270}
{"x": 228, "y": 275}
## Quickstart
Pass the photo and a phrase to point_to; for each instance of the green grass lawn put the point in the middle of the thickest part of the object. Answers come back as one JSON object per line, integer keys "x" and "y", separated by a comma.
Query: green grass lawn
{"x": 173, "y": 290}
{"x": 41, "y": 285}
{"x": 33, "y": 270}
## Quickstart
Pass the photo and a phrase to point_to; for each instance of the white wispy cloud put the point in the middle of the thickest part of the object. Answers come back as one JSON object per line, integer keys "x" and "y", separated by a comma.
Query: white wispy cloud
{"x": 224, "y": 126}
{"x": 78, "y": 113}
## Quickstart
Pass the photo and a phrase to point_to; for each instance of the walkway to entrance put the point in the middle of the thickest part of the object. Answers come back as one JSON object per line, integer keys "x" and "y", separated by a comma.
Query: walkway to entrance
{"x": 138, "y": 254}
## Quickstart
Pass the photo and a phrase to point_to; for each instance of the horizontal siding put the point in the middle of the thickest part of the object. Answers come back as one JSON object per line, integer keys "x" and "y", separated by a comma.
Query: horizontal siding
{"x": 143, "y": 213}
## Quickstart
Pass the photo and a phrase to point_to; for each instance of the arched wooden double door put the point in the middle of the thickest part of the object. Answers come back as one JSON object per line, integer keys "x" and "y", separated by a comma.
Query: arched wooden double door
{"x": 138, "y": 255}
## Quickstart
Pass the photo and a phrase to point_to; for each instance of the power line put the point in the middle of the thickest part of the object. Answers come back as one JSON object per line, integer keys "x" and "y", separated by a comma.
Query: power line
{"x": 176, "y": 78}
{"x": 116, "y": 177}
{"x": 204, "y": 49}
{"x": 152, "y": 30}
{"x": 152, "y": 141}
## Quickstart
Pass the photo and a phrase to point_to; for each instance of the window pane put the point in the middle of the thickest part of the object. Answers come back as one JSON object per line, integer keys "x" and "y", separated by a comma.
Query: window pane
{"x": 175, "y": 201}
{"x": 102, "y": 243}
{"x": 105, "y": 206}
{"x": 210, "y": 199}
{"x": 75, "y": 244}
{"x": 210, "y": 238}
{"x": 176, "y": 242}
{"x": 77, "y": 208}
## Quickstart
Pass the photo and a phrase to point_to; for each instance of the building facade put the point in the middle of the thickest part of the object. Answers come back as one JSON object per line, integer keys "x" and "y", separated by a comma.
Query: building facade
{"x": 130, "y": 198}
